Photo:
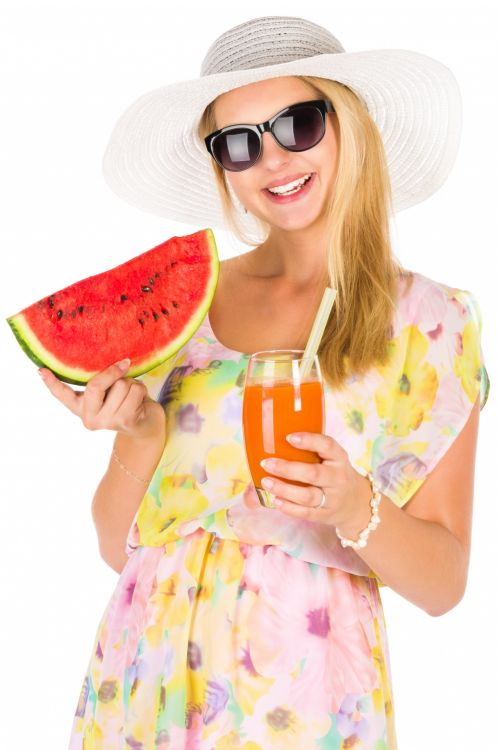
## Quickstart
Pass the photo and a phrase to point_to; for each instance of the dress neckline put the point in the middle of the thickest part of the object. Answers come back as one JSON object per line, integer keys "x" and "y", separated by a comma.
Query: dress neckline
{"x": 245, "y": 354}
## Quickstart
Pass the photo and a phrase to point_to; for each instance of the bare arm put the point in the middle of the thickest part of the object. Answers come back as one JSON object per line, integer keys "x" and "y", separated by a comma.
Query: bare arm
{"x": 112, "y": 401}
{"x": 118, "y": 495}
{"x": 422, "y": 550}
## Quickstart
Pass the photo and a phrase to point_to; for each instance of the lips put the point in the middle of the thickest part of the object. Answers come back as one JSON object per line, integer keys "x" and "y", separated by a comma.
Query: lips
{"x": 298, "y": 195}
{"x": 287, "y": 178}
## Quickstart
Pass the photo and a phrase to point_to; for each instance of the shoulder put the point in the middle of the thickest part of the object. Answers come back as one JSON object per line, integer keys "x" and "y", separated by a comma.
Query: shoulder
{"x": 433, "y": 305}
{"x": 441, "y": 325}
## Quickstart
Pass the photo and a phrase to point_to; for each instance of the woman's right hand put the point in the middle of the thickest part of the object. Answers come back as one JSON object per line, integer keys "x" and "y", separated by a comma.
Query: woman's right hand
{"x": 111, "y": 401}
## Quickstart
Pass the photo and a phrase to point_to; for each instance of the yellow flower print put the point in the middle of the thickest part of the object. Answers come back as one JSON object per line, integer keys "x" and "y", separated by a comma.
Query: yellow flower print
{"x": 409, "y": 383}
{"x": 170, "y": 607}
{"x": 468, "y": 364}
{"x": 93, "y": 736}
{"x": 179, "y": 499}
{"x": 382, "y": 696}
{"x": 214, "y": 566}
{"x": 232, "y": 741}
{"x": 227, "y": 470}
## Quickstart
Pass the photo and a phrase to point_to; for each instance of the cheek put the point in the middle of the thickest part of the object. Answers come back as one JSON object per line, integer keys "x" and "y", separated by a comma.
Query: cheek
{"x": 239, "y": 185}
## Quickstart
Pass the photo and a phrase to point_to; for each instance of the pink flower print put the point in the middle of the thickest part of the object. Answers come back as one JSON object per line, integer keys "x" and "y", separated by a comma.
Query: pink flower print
{"x": 252, "y": 523}
{"x": 424, "y": 306}
{"x": 123, "y": 621}
{"x": 205, "y": 349}
{"x": 250, "y": 497}
{"x": 320, "y": 633}
{"x": 189, "y": 419}
{"x": 251, "y": 576}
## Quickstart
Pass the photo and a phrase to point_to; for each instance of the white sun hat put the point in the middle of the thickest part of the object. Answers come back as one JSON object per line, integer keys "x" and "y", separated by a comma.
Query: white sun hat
{"x": 155, "y": 161}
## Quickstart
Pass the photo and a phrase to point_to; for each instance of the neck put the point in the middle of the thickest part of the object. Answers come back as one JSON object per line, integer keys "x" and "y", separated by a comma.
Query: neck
{"x": 297, "y": 257}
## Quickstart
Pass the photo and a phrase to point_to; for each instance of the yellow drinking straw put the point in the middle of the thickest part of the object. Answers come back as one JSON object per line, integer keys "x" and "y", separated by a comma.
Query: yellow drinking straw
{"x": 317, "y": 330}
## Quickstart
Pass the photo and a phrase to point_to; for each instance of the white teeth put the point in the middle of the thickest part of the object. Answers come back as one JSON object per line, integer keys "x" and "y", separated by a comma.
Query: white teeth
{"x": 291, "y": 186}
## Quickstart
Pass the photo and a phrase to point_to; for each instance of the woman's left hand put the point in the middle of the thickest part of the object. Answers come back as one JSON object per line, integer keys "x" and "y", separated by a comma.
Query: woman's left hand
{"x": 347, "y": 492}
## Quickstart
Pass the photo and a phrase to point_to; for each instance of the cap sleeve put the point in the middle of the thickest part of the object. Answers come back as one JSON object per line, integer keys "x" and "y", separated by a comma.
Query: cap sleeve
{"x": 162, "y": 381}
{"x": 430, "y": 386}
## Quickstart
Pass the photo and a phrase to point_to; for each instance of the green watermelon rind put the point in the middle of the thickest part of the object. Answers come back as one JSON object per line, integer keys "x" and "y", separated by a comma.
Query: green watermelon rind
{"x": 43, "y": 358}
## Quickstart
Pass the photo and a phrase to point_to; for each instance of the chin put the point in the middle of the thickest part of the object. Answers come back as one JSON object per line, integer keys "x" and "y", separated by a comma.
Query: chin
{"x": 295, "y": 222}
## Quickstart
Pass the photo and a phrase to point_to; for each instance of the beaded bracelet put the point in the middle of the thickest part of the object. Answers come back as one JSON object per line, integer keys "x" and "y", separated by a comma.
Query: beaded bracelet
{"x": 373, "y": 523}
{"x": 144, "y": 481}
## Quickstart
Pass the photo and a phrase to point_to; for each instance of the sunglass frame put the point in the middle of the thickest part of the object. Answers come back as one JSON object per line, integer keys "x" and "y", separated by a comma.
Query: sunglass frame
{"x": 322, "y": 105}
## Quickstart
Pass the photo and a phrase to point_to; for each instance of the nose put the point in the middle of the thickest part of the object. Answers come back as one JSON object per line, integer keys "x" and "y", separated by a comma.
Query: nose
{"x": 273, "y": 155}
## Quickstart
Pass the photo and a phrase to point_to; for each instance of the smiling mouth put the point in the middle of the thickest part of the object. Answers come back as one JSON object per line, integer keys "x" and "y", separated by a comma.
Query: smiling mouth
{"x": 295, "y": 194}
{"x": 294, "y": 189}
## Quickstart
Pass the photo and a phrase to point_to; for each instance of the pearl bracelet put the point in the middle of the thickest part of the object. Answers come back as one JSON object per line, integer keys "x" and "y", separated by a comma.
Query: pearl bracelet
{"x": 373, "y": 523}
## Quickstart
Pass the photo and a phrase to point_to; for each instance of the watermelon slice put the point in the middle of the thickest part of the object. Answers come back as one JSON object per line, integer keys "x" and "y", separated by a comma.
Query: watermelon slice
{"x": 145, "y": 309}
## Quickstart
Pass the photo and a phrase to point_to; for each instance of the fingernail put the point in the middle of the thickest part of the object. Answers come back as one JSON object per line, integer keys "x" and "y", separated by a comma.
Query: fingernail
{"x": 42, "y": 374}
{"x": 267, "y": 483}
{"x": 294, "y": 439}
{"x": 124, "y": 364}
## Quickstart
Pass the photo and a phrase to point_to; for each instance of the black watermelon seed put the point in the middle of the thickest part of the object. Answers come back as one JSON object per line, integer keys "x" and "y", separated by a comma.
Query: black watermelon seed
{"x": 146, "y": 288}
{"x": 165, "y": 311}
{"x": 151, "y": 281}
{"x": 141, "y": 321}
{"x": 157, "y": 275}
{"x": 59, "y": 314}
{"x": 145, "y": 312}
{"x": 123, "y": 297}
{"x": 51, "y": 301}
{"x": 155, "y": 316}
{"x": 175, "y": 304}
{"x": 80, "y": 309}
{"x": 173, "y": 263}
{"x": 73, "y": 313}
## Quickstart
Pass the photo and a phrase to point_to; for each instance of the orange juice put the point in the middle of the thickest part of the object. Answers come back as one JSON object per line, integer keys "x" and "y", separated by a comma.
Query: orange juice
{"x": 270, "y": 413}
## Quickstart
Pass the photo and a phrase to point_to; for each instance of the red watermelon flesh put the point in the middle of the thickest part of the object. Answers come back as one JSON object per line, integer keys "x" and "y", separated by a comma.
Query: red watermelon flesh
{"x": 145, "y": 309}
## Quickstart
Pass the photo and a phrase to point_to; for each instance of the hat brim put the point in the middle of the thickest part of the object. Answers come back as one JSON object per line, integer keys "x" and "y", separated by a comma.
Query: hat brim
{"x": 155, "y": 161}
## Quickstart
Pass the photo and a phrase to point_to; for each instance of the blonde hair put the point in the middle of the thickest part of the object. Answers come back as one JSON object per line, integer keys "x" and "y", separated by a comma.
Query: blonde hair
{"x": 360, "y": 261}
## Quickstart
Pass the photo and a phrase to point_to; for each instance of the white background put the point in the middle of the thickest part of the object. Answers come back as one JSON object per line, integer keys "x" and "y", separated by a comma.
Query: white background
{"x": 68, "y": 70}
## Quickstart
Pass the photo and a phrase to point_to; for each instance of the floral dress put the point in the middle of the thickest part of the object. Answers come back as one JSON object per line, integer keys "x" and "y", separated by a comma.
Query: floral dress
{"x": 236, "y": 626}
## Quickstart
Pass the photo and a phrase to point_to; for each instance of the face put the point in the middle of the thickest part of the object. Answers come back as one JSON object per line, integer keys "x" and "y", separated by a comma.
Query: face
{"x": 258, "y": 102}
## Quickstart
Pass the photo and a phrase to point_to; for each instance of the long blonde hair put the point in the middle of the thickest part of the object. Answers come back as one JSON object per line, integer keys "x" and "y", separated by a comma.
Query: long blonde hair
{"x": 360, "y": 261}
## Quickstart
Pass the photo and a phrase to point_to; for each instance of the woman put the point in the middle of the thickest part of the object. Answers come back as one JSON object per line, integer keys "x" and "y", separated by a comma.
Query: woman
{"x": 233, "y": 625}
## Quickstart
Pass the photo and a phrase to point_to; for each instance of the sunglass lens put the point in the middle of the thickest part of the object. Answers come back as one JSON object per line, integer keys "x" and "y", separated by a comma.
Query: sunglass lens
{"x": 300, "y": 129}
{"x": 236, "y": 150}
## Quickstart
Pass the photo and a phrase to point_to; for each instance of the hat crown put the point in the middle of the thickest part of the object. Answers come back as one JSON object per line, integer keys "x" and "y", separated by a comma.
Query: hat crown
{"x": 269, "y": 40}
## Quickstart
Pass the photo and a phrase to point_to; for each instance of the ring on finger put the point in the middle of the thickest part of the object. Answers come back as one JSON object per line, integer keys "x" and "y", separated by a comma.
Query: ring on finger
{"x": 322, "y": 503}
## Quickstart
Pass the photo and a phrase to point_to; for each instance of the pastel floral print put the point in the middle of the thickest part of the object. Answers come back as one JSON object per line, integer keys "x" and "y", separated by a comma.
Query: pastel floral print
{"x": 234, "y": 626}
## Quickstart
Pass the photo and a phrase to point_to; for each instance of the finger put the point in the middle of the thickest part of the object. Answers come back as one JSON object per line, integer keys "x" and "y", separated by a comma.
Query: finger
{"x": 114, "y": 398}
{"x": 95, "y": 392}
{"x": 64, "y": 393}
{"x": 123, "y": 403}
{"x": 324, "y": 445}
{"x": 305, "y": 496}
{"x": 316, "y": 474}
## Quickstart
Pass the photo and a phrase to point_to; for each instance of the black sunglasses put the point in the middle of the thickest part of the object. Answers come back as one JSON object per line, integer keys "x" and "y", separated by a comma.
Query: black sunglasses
{"x": 296, "y": 128}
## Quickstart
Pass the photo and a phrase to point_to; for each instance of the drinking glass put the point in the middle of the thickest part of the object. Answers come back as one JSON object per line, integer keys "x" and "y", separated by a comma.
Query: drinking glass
{"x": 283, "y": 393}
